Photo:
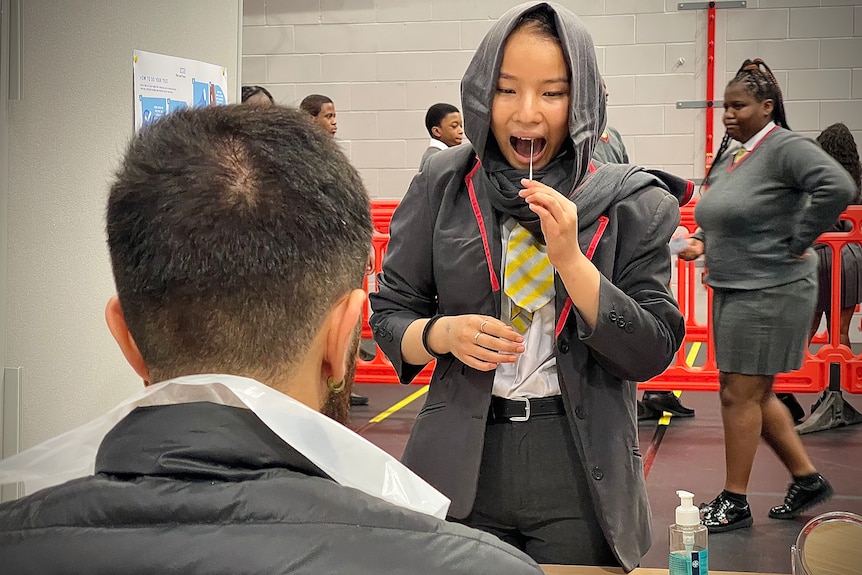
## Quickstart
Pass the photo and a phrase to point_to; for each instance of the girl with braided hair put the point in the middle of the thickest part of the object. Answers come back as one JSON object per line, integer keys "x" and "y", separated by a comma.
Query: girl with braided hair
{"x": 767, "y": 203}
{"x": 837, "y": 141}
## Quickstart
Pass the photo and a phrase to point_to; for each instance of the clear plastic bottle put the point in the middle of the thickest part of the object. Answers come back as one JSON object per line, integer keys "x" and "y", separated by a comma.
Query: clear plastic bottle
{"x": 688, "y": 546}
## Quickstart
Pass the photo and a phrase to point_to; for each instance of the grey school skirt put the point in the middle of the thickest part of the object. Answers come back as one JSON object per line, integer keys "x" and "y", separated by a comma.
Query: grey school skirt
{"x": 763, "y": 331}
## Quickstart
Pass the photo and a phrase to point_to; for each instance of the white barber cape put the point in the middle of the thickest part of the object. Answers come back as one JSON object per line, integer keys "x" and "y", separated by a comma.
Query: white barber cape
{"x": 349, "y": 459}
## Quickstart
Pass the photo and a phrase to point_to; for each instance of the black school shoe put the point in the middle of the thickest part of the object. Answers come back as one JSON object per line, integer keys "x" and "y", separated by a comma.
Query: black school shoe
{"x": 722, "y": 514}
{"x": 356, "y": 399}
{"x": 796, "y": 411}
{"x": 645, "y": 413}
{"x": 801, "y": 497}
{"x": 666, "y": 401}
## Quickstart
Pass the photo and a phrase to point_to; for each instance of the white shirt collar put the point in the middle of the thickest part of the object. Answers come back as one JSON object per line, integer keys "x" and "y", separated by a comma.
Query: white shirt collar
{"x": 755, "y": 139}
{"x": 435, "y": 143}
{"x": 349, "y": 459}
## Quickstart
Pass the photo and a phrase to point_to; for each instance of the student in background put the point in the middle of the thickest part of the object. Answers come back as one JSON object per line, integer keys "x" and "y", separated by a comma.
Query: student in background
{"x": 322, "y": 109}
{"x": 766, "y": 205}
{"x": 257, "y": 95}
{"x": 444, "y": 125}
{"x": 838, "y": 142}
{"x": 239, "y": 237}
{"x": 610, "y": 149}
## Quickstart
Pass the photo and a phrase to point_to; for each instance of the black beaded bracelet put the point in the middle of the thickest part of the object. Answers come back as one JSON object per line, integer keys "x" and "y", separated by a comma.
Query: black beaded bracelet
{"x": 425, "y": 337}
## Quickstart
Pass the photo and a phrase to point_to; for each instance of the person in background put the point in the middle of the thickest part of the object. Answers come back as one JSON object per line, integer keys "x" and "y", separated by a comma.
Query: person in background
{"x": 837, "y": 141}
{"x": 322, "y": 110}
{"x": 257, "y": 95}
{"x": 610, "y": 149}
{"x": 444, "y": 125}
{"x": 767, "y": 203}
{"x": 543, "y": 300}
{"x": 238, "y": 238}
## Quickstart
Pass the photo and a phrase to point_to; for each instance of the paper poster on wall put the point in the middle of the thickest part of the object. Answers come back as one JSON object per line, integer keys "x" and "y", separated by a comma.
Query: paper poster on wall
{"x": 163, "y": 84}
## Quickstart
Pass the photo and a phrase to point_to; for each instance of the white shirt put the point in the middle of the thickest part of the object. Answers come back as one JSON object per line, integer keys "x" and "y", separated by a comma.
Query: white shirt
{"x": 534, "y": 374}
{"x": 755, "y": 139}
{"x": 435, "y": 143}
{"x": 351, "y": 460}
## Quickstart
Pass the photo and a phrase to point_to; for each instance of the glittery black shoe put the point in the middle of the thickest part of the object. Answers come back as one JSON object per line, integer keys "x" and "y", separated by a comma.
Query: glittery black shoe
{"x": 722, "y": 514}
{"x": 800, "y": 497}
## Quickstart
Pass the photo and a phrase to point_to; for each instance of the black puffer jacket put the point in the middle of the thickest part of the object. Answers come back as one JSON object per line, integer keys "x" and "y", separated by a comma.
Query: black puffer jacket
{"x": 201, "y": 488}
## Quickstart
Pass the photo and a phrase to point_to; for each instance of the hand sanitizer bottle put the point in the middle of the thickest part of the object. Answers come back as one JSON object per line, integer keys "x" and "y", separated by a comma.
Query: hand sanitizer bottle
{"x": 688, "y": 549}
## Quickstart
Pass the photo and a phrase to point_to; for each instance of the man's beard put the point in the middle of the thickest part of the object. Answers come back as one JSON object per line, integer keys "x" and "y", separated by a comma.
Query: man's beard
{"x": 337, "y": 405}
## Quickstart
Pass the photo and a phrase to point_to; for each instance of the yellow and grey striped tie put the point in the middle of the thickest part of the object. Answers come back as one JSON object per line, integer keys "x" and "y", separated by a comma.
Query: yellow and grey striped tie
{"x": 529, "y": 277}
{"x": 740, "y": 153}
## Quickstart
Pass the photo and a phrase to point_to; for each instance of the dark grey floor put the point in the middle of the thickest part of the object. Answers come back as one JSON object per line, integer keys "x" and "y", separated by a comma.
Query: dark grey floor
{"x": 691, "y": 457}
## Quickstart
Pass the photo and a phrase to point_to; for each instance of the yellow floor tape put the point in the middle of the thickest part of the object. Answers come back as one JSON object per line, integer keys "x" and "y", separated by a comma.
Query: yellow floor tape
{"x": 665, "y": 419}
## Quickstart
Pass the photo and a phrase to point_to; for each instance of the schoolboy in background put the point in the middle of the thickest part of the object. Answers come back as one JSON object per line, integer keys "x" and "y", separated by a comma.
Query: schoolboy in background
{"x": 444, "y": 125}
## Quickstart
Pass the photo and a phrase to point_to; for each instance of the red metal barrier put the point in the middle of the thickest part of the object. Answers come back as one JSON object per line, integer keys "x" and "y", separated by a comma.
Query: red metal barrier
{"x": 813, "y": 377}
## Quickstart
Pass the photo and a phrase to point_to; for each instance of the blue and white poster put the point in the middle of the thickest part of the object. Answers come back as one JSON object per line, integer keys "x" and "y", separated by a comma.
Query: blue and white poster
{"x": 163, "y": 84}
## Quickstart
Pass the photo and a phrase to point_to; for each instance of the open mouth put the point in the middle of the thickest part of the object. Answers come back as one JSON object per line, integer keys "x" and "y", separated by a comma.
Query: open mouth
{"x": 527, "y": 149}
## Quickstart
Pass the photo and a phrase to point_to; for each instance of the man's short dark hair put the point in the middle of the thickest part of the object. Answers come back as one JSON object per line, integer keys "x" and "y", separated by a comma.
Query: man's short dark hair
{"x": 435, "y": 114}
{"x": 232, "y": 230}
{"x": 313, "y": 103}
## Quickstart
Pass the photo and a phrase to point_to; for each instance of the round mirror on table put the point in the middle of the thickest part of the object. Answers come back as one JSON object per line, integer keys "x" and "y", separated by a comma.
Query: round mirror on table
{"x": 829, "y": 544}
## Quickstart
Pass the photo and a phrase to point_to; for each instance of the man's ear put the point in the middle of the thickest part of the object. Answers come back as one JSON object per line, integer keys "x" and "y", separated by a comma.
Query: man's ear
{"x": 436, "y": 132}
{"x": 120, "y": 330}
{"x": 343, "y": 319}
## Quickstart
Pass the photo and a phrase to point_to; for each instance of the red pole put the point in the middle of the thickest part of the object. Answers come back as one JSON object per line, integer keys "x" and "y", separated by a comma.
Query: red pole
{"x": 710, "y": 81}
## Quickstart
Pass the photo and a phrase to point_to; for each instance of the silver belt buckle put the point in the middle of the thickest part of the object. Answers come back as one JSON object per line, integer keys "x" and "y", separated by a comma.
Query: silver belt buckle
{"x": 526, "y": 416}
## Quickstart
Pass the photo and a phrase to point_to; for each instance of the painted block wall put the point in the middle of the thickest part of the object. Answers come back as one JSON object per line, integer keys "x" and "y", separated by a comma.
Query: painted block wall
{"x": 384, "y": 62}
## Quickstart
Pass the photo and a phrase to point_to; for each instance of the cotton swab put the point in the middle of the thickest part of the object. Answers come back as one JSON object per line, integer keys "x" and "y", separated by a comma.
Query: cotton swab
{"x": 531, "y": 159}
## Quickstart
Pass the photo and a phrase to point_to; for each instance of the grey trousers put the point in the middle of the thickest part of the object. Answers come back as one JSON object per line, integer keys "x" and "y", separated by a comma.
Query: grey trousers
{"x": 533, "y": 494}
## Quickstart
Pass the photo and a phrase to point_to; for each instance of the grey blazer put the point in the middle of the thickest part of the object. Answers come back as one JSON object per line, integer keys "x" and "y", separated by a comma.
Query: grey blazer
{"x": 444, "y": 257}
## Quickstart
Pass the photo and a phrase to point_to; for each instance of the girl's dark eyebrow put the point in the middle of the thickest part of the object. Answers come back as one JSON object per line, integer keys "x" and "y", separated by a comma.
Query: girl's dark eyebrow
{"x": 562, "y": 80}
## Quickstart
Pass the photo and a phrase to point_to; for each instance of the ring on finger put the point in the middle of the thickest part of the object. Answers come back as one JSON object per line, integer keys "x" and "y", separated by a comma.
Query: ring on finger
{"x": 482, "y": 327}
{"x": 476, "y": 337}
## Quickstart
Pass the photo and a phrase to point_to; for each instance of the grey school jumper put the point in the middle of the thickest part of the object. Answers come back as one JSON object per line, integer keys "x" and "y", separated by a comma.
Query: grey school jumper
{"x": 757, "y": 215}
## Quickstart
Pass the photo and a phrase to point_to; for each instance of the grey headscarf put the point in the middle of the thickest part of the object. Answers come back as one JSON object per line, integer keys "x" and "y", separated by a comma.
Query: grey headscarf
{"x": 586, "y": 111}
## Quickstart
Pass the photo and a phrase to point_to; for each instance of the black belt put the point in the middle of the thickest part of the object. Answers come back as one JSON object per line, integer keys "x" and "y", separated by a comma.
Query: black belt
{"x": 522, "y": 408}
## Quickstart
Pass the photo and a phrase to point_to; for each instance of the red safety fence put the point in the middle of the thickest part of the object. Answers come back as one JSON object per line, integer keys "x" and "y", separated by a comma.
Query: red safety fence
{"x": 813, "y": 377}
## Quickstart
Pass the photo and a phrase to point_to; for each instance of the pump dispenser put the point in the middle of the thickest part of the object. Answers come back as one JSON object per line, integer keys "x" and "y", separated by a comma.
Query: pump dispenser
{"x": 688, "y": 546}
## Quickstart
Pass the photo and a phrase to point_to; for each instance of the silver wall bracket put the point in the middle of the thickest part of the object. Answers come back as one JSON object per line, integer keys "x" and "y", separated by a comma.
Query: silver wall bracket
{"x": 690, "y": 104}
{"x": 705, "y": 5}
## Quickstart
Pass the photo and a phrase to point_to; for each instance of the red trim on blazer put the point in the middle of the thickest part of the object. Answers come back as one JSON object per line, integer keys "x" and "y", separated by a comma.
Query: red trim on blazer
{"x": 733, "y": 166}
{"x": 689, "y": 191}
{"x": 591, "y": 250}
{"x": 468, "y": 179}
{"x": 592, "y": 167}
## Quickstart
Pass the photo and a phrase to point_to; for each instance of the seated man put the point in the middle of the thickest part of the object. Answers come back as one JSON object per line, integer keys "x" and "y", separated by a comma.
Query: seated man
{"x": 238, "y": 237}
{"x": 444, "y": 125}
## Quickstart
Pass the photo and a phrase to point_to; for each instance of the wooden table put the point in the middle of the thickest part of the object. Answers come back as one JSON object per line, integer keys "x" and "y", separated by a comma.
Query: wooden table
{"x": 580, "y": 570}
